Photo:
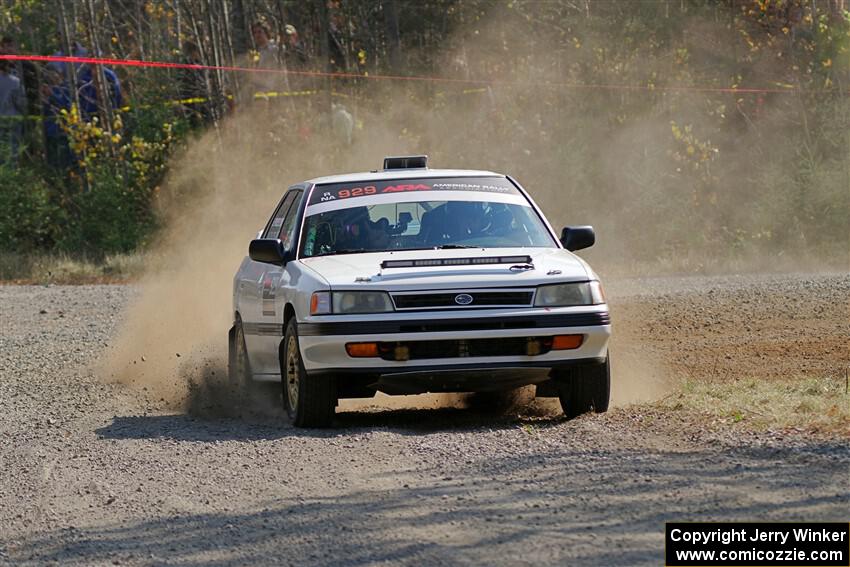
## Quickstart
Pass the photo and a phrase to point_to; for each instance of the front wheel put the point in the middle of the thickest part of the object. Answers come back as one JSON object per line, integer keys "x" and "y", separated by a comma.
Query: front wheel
{"x": 309, "y": 400}
{"x": 584, "y": 388}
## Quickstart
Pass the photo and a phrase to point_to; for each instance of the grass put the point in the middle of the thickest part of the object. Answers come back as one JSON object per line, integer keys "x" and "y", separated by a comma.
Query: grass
{"x": 69, "y": 269}
{"x": 820, "y": 404}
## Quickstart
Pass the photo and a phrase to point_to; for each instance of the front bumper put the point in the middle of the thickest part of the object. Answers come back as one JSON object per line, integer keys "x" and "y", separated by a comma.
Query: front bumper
{"x": 323, "y": 339}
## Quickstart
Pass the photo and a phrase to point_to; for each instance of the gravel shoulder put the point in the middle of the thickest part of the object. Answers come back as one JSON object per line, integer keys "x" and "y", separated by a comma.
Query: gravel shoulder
{"x": 100, "y": 474}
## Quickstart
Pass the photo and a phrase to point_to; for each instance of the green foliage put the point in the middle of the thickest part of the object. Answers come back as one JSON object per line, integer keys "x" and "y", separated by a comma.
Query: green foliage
{"x": 114, "y": 184}
{"x": 113, "y": 216}
{"x": 669, "y": 164}
{"x": 29, "y": 216}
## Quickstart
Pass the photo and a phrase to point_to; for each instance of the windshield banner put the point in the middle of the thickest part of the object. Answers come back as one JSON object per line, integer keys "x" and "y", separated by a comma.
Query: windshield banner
{"x": 341, "y": 191}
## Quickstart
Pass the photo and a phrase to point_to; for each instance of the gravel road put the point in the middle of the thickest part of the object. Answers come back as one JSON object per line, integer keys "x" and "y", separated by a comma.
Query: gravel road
{"x": 98, "y": 474}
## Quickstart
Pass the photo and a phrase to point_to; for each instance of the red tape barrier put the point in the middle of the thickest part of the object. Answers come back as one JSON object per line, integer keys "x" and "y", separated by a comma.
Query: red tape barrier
{"x": 166, "y": 65}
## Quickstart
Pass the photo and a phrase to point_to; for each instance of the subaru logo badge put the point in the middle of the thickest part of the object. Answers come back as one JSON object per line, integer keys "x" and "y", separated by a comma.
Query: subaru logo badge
{"x": 463, "y": 299}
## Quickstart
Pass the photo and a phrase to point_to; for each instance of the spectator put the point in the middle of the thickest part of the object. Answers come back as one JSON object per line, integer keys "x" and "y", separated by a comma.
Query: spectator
{"x": 296, "y": 53}
{"x": 342, "y": 124}
{"x": 88, "y": 93}
{"x": 61, "y": 67}
{"x": 13, "y": 105}
{"x": 295, "y": 59}
{"x": 27, "y": 72}
{"x": 57, "y": 97}
{"x": 194, "y": 85}
{"x": 267, "y": 57}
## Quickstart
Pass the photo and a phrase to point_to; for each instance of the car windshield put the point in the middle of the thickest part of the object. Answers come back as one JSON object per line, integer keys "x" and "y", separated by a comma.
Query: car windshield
{"x": 414, "y": 218}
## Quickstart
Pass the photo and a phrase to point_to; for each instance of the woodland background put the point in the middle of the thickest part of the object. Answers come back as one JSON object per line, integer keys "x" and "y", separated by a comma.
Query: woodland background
{"x": 624, "y": 115}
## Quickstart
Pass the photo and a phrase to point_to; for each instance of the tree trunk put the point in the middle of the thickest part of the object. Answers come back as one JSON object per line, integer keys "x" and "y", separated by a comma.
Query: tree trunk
{"x": 390, "y": 9}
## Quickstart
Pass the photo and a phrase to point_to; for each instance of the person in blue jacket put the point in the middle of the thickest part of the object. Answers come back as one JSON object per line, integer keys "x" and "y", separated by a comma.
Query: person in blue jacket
{"x": 87, "y": 90}
{"x": 56, "y": 97}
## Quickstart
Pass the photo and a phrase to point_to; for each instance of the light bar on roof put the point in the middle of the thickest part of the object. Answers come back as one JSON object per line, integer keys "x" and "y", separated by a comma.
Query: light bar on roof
{"x": 431, "y": 262}
{"x": 406, "y": 162}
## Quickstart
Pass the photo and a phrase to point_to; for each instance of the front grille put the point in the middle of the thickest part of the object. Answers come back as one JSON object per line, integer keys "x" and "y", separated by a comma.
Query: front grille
{"x": 452, "y": 325}
{"x": 462, "y": 348}
{"x": 447, "y": 299}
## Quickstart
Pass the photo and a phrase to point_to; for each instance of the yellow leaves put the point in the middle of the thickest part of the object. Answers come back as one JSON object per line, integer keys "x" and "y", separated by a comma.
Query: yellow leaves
{"x": 677, "y": 133}
{"x": 827, "y": 63}
{"x": 694, "y": 153}
{"x": 361, "y": 57}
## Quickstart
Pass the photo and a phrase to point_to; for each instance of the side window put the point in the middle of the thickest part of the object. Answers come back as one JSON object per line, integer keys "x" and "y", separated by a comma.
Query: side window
{"x": 273, "y": 228}
{"x": 288, "y": 227}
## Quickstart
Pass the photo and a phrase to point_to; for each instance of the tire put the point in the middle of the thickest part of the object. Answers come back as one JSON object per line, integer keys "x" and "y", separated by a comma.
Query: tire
{"x": 501, "y": 401}
{"x": 238, "y": 365}
{"x": 239, "y": 368}
{"x": 309, "y": 401}
{"x": 584, "y": 388}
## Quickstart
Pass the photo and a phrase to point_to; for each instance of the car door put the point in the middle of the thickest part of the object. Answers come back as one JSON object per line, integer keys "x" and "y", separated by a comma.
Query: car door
{"x": 251, "y": 285}
{"x": 273, "y": 286}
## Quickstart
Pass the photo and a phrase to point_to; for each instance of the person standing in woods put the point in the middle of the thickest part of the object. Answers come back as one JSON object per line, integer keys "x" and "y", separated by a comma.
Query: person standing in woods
{"x": 295, "y": 57}
{"x": 13, "y": 105}
{"x": 266, "y": 55}
{"x": 194, "y": 85}
{"x": 29, "y": 75}
{"x": 77, "y": 50}
{"x": 56, "y": 97}
{"x": 88, "y": 91}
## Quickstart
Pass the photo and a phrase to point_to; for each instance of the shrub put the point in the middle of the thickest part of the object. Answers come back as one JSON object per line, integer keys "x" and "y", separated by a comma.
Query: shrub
{"x": 29, "y": 216}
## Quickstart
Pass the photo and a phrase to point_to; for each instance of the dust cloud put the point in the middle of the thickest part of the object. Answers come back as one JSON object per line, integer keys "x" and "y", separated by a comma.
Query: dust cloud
{"x": 217, "y": 196}
{"x": 223, "y": 186}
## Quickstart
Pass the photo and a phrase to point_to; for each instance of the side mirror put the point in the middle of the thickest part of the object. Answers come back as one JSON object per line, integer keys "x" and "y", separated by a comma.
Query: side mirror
{"x": 267, "y": 250}
{"x": 578, "y": 237}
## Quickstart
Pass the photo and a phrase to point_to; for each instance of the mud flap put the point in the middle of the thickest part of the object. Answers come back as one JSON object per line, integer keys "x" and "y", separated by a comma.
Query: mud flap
{"x": 231, "y": 352}
{"x": 547, "y": 389}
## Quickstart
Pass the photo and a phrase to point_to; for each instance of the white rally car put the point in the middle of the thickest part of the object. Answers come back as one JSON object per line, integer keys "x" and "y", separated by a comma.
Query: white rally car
{"x": 412, "y": 280}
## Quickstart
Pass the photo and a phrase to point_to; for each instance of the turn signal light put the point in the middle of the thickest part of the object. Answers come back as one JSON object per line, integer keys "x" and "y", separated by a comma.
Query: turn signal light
{"x": 567, "y": 342}
{"x": 320, "y": 303}
{"x": 362, "y": 350}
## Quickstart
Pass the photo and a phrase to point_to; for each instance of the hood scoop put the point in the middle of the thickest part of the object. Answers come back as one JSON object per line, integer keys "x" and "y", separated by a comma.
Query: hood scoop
{"x": 437, "y": 262}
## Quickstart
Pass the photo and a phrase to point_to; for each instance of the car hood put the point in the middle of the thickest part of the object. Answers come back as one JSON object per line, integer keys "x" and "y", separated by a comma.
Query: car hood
{"x": 356, "y": 271}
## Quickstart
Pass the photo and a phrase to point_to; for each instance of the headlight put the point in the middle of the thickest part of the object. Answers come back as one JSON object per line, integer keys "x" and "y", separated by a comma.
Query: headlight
{"x": 350, "y": 302}
{"x": 564, "y": 295}
{"x": 346, "y": 302}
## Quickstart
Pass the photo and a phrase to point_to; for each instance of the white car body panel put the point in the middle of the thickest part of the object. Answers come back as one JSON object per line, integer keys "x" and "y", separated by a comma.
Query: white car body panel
{"x": 342, "y": 271}
{"x": 264, "y": 293}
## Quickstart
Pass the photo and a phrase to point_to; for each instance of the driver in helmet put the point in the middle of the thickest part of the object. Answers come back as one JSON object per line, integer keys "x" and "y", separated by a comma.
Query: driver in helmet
{"x": 358, "y": 232}
{"x": 466, "y": 219}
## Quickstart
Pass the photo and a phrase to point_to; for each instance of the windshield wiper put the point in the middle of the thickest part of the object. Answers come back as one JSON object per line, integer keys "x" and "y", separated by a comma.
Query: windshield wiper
{"x": 361, "y": 250}
{"x": 345, "y": 251}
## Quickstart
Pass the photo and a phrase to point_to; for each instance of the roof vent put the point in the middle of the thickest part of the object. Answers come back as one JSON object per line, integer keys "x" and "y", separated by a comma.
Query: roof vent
{"x": 406, "y": 162}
